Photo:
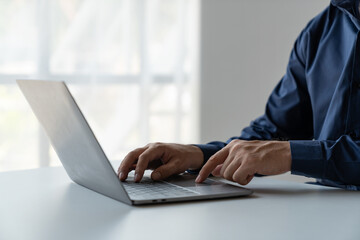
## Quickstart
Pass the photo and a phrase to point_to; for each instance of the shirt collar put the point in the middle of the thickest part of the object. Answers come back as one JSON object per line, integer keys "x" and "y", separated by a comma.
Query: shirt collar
{"x": 342, "y": 2}
{"x": 345, "y": 4}
{"x": 350, "y": 7}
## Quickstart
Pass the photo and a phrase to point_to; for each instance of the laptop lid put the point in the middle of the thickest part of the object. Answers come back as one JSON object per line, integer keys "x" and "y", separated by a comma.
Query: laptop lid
{"x": 72, "y": 138}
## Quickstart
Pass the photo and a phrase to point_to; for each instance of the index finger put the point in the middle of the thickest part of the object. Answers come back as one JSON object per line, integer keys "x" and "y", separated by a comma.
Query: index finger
{"x": 128, "y": 162}
{"x": 211, "y": 164}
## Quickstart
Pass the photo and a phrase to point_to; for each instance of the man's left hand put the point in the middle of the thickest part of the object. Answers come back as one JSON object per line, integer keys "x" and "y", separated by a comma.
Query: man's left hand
{"x": 240, "y": 160}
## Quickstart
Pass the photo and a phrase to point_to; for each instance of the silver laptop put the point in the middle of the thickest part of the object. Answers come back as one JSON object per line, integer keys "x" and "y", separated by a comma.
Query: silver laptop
{"x": 86, "y": 163}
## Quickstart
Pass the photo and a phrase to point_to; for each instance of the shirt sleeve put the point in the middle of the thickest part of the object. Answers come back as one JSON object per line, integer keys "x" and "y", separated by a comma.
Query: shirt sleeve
{"x": 288, "y": 113}
{"x": 335, "y": 160}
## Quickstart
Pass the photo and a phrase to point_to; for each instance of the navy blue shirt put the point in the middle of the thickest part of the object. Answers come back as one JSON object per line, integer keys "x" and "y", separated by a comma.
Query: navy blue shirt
{"x": 316, "y": 105}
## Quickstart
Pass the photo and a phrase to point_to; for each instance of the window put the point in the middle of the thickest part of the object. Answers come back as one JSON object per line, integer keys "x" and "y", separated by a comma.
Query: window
{"x": 130, "y": 64}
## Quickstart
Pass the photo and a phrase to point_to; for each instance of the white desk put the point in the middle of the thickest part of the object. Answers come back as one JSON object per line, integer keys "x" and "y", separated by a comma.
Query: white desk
{"x": 45, "y": 204}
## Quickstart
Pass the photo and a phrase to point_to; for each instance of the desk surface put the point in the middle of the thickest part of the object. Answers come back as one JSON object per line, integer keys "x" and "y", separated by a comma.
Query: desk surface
{"x": 45, "y": 204}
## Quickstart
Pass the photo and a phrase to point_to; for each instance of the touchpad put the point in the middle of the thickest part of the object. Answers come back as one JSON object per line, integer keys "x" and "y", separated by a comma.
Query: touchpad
{"x": 188, "y": 180}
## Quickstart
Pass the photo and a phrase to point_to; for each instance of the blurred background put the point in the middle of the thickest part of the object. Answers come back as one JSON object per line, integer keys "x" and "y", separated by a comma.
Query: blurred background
{"x": 187, "y": 71}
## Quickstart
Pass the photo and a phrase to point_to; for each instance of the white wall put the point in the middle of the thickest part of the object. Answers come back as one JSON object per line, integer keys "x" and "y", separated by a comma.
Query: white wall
{"x": 244, "y": 48}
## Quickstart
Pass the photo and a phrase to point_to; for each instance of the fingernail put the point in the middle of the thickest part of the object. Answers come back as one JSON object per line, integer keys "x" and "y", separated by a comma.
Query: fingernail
{"x": 197, "y": 179}
{"x": 121, "y": 175}
{"x": 137, "y": 177}
{"x": 156, "y": 175}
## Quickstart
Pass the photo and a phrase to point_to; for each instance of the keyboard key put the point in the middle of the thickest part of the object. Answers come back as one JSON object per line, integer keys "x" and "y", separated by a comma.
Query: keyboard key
{"x": 149, "y": 189}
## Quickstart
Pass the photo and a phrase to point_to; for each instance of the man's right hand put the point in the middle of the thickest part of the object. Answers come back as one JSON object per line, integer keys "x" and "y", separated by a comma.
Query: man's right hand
{"x": 165, "y": 159}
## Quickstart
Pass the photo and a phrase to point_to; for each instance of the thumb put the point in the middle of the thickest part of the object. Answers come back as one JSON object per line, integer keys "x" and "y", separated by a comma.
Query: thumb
{"x": 165, "y": 171}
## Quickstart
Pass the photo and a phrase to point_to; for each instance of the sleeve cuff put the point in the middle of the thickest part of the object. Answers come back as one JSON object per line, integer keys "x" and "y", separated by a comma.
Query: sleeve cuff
{"x": 208, "y": 150}
{"x": 307, "y": 158}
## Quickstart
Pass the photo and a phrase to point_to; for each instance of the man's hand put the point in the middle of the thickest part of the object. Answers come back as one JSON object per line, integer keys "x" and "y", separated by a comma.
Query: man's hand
{"x": 240, "y": 160}
{"x": 165, "y": 159}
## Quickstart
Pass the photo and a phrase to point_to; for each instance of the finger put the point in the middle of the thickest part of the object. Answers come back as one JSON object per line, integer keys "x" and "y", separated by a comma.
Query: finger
{"x": 151, "y": 154}
{"x": 228, "y": 161}
{"x": 216, "y": 171}
{"x": 249, "y": 178}
{"x": 243, "y": 175}
{"x": 128, "y": 163}
{"x": 211, "y": 164}
{"x": 130, "y": 169}
{"x": 165, "y": 171}
{"x": 230, "y": 169}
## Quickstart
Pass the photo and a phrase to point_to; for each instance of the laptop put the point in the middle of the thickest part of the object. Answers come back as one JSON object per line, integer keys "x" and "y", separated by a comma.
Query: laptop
{"x": 86, "y": 163}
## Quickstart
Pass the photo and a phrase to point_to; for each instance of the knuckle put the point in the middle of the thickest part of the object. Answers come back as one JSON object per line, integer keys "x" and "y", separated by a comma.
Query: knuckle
{"x": 247, "y": 147}
{"x": 153, "y": 144}
{"x": 211, "y": 159}
{"x": 228, "y": 178}
{"x": 156, "y": 144}
{"x": 235, "y": 141}
{"x": 142, "y": 160}
{"x": 227, "y": 175}
{"x": 132, "y": 154}
{"x": 239, "y": 180}
{"x": 236, "y": 145}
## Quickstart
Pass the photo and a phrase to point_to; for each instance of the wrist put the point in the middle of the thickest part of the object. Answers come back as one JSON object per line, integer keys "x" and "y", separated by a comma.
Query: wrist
{"x": 196, "y": 157}
{"x": 286, "y": 155}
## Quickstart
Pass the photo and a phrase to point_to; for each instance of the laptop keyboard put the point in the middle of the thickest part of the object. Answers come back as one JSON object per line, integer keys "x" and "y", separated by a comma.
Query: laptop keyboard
{"x": 149, "y": 189}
